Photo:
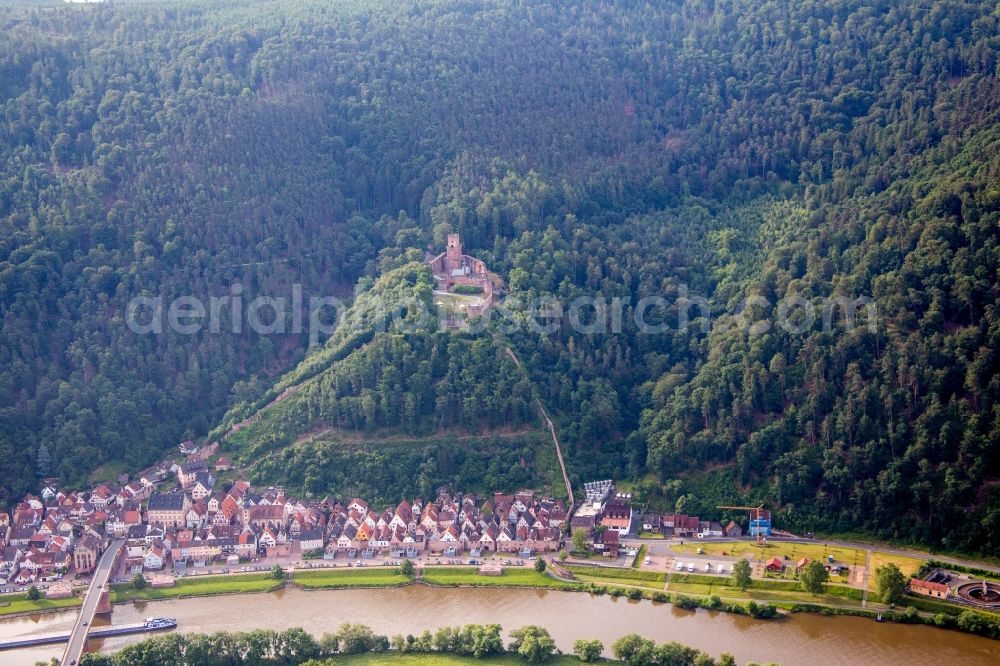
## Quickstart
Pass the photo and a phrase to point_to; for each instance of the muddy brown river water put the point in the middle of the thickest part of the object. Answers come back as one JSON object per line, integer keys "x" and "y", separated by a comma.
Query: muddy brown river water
{"x": 809, "y": 640}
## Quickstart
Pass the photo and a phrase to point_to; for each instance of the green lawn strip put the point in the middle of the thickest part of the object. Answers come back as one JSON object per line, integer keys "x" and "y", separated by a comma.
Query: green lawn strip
{"x": 621, "y": 574}
{"x": 344, "y": 578}
{"x": 436, "y": 659}
{"x": 930, "y": 606}
{"x": 190, "y": 587}
{"x": 695, "y": 588}
{"x": 765, "y": 584}
{"x": 772, "y": 593}
{"x": 19, "y": 603}
{"x": 790, "y": 552}
{"x": 801, "y": 596}
{"x": 639, "y": 556}
{"x": 935, "y": 606}
{"x": 621, "y": 583}
{"x": 519, "y": 577}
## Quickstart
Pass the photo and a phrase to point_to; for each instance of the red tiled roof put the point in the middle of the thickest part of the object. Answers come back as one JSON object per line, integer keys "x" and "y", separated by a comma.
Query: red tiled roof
{"x": 927, "y": 585}
{"x": 610, "y": 521}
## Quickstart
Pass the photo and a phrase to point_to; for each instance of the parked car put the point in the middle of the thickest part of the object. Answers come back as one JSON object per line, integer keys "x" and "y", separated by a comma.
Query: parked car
{"x": 679, "y": 566}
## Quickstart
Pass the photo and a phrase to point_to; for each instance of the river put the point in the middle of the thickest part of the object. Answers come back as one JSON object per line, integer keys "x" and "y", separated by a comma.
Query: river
{"x": 811, "y": 640}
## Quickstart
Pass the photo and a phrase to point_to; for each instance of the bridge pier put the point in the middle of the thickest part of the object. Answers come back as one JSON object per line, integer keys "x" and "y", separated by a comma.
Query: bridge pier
{"x": 104, "y": 603}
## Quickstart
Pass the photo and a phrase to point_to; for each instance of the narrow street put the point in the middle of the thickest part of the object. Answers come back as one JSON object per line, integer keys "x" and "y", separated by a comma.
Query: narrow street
{"x": 552, "y": 431}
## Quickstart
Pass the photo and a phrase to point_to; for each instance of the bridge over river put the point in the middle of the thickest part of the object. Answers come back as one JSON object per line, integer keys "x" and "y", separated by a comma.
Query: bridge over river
{"x": 78, "y": 637}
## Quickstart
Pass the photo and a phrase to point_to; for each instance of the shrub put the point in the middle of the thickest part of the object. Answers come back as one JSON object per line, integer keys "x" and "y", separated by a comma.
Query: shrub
{"x": 588, "y": 650}
{"x": 890, "y": 583}
{"x": 763, "y": 611}
{"x": 634, "y": 650}
{"x": 532, "y": 643}
{"x": 741, "y": 575}
{"x": 354, "y": 639}
{"x": 467, "y": 289}
{"x": 687, "y": 603}
{"x": 814, "y": 577}
{"x": 977, "y": 623}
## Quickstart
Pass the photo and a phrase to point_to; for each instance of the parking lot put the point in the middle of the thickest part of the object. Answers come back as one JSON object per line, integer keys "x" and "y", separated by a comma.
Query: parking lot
{"x": 663, "y": 560}
{"x": 701, "y": 566}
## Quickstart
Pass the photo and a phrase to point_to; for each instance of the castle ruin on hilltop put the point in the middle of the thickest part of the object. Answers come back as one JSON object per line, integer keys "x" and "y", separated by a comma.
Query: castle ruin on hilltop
{"x": 458, "y": 273}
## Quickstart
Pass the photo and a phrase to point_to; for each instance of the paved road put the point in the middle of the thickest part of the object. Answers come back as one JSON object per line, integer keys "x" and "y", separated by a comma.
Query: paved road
{"x": 864, "y": 582}
{"x": 77, "y": 639}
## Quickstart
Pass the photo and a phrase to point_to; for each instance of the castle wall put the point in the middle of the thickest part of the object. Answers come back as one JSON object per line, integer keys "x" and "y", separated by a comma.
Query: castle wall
{"x": 475, "y": 273}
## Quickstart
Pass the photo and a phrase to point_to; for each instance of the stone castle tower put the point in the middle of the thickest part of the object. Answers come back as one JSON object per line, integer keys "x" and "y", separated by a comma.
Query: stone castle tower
{"x": 453, "y": 253}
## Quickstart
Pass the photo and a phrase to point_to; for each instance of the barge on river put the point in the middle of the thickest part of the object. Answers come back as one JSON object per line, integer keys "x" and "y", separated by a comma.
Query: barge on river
{"x": 150, "y": 624}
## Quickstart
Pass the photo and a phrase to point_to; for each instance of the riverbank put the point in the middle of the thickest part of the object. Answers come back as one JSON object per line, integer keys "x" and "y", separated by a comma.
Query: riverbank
{"x": 781, "y": 593}
{"x": 337, "y": 579}
{"x": 198, "y": 587}
{"x": 798, "y": 638}
{"x": 469, "y": 577}
{"x": 761, "y": 600}
{"x": 18, "y": 605}
{"x": 763, "y": 597}
{"x": 438, "y": 659}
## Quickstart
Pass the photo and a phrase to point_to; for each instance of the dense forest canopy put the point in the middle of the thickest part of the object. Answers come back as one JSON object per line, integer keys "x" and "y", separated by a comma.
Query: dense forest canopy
{"x": 625, "y": 149}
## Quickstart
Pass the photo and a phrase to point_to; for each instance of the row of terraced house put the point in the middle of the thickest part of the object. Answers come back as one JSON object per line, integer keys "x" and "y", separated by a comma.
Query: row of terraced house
{"x": 194, "y": 522}
{"x": 244, "y": 523}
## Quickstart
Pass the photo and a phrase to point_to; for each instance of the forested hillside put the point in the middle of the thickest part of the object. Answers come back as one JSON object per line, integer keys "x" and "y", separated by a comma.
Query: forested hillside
{"x": 625, "y": 149}
{"x": 392, "y": 405}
